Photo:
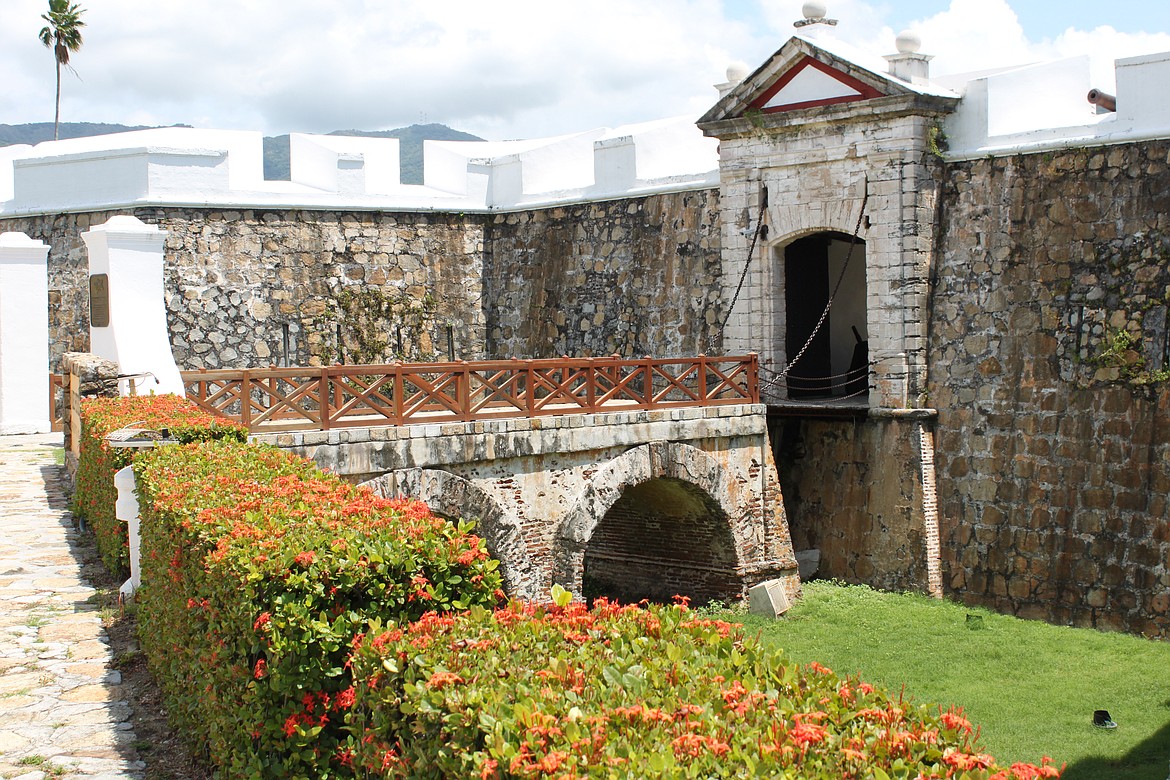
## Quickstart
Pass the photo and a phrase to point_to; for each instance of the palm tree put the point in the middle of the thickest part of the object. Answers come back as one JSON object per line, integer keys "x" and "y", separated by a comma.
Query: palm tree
{"x": 62, "y": 34}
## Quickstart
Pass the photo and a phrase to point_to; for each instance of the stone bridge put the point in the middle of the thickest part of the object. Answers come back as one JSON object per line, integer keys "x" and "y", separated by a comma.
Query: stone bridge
{"x": 631, "y": 504}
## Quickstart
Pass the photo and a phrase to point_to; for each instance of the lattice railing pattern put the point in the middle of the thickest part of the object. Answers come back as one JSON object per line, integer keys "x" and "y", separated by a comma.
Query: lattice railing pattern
{"x": 285, "y": 399}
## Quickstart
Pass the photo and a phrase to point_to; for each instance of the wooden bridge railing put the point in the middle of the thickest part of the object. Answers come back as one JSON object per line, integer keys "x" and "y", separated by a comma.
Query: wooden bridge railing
{"x": 286, "y": 399}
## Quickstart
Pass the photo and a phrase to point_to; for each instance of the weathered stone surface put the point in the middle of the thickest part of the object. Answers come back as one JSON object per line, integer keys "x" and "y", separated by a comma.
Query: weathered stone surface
{"x": 248, "y": 288}
{"x": 632, "y": 277}
{"x": 1054, "y": 466}
{"x": 853, "y": 490}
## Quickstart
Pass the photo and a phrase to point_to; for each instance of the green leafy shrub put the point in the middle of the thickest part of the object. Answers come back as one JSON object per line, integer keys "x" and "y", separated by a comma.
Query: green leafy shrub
{"x": 561, "y": 691}
{"x": 94, "y": 494}
{"x": 257, "y": 572}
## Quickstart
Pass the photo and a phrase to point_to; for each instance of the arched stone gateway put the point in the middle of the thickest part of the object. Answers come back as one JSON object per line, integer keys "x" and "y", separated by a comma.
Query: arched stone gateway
{"x": 454, "y": 497}
{"x": 655, "y": 522}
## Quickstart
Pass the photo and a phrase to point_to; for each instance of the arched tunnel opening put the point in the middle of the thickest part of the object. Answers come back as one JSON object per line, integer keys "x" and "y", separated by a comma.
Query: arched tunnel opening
{"x": 662, "y": 538}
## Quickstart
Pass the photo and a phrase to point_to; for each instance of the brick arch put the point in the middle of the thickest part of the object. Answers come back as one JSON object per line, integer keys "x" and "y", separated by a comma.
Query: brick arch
{"x": 695, "y": 469}
{"x": 453, "y": 496}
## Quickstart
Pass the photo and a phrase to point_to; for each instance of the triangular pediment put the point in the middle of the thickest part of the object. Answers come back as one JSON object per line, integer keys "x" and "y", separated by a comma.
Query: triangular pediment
{"x": 804, "y": 74}
{"x": 811, "y": 83}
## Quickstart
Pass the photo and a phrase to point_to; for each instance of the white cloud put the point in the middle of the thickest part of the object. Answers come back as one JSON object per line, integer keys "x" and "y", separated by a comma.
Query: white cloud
{"x": 514, "y": 68}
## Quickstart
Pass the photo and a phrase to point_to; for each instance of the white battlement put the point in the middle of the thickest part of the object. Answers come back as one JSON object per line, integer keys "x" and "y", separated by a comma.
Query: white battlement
{"x": 1044, "y": 106}
{"x": 189, "y": 167}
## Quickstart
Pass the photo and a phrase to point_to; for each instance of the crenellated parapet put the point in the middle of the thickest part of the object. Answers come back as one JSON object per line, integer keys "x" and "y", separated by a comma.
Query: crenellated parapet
{"x": 178, "y": 167}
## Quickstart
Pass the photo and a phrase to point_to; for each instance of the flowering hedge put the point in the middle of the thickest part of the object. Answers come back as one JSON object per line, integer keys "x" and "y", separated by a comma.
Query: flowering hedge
{"x": 560, "y": 691}
{"x": 94, "y": 494}
{"x": 258, "y": 570}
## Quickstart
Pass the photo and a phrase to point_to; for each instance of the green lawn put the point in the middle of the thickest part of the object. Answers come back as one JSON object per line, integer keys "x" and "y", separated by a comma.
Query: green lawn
{"x": 1031, "y": 687}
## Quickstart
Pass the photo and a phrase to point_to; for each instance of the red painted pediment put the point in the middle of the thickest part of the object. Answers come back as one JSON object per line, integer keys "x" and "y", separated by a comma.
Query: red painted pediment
{"x": 803, "y": 75}
{"x": 809, "y": 83}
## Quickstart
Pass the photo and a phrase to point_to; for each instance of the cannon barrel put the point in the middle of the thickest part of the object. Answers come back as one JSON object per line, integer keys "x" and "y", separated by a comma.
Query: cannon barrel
{"x": 1103, "y": 99}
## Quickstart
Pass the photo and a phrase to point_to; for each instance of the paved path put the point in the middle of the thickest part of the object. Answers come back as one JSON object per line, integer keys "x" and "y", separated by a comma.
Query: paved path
{"x": 62, "y": 712}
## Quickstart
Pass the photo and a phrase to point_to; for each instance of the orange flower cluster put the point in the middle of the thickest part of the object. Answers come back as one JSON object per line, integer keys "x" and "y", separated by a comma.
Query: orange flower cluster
{"x": 579, "y": 691}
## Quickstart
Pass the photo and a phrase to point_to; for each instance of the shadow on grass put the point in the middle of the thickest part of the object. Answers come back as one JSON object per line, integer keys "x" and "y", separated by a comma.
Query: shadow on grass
{"x": 1148, "y": 760}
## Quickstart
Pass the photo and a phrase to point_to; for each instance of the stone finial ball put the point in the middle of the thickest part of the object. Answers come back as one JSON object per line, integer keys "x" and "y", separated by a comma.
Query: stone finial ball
{"x": 908, "y": 42}
{"x": 737, "y": 71}
{"x": 814, "y": 10}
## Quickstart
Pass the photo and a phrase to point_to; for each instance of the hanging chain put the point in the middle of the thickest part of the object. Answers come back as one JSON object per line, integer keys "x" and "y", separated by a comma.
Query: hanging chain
{"x": 828, "y": 305}
{"x": 742, "y": 278}
{"x": 778, "y": 375}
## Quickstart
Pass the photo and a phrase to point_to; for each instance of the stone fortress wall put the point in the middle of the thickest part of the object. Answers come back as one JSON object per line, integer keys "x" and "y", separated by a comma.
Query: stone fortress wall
{"x": 1049, "y": 358}
{"x": 1053, "y": 432}
{"x": 254, "y": 287}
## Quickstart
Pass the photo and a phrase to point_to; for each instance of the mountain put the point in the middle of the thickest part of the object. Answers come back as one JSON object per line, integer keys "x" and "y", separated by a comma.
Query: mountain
{"x": 275, "y": 147}
{"x": 35, "y": 132}
{"x": 410, "y": 148}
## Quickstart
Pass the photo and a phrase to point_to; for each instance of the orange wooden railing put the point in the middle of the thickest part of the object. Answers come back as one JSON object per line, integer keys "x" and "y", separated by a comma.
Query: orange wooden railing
{"x": 57, "y": 383}
{"x": 286, "y": 399}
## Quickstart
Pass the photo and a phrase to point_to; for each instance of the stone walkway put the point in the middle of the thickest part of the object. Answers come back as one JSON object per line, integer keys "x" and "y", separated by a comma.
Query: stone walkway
{"x": 62, "y": 711}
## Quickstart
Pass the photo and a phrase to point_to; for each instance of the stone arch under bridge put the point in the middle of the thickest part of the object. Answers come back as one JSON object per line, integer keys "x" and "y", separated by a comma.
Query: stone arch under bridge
{"x": 654, "y": 522}
{"x": 673, "y": 497}
{"x": 452, "y": 496}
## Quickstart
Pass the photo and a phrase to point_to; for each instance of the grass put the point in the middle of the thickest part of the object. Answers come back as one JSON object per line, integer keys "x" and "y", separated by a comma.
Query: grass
{"x": 59, "y": 456}
{"x": 1031, "y": 687}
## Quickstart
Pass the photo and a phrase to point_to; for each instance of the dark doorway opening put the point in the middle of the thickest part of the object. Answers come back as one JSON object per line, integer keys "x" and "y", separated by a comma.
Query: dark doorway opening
{"x": 836, "y": 360}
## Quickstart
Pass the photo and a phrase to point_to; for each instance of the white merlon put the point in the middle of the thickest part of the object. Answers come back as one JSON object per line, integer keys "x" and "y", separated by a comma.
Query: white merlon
{"x": 24, "y": 334}
{"x": 189, "y": 167}
{"x": 128, "y": 320}
{"x": 1044, "y": 106}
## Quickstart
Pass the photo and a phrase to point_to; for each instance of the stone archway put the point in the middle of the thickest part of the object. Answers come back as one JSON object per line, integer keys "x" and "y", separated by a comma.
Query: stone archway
{"x": 654, "y": 522}
{"x": 453, "y": 496}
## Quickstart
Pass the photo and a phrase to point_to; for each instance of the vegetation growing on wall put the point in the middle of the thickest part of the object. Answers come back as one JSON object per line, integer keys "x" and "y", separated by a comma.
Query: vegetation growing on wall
{"x": 1120, "y": 358}
{"x": 368, "y": 325}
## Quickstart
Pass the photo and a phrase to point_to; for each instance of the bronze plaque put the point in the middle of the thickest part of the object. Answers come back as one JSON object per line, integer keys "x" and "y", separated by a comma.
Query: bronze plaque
{"x": 99, "y": 300}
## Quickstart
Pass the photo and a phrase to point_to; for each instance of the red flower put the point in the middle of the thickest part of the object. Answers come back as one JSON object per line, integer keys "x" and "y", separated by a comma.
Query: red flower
{"x": 440, "y": 680}
{"x": 344, "y": 699}
{"x": 306, "y": 558}
{"x": 955, "y": 722}
{"x": 805, "y": 734}
{"x": 261, "y": 669}
{"x": 965, "y": 761}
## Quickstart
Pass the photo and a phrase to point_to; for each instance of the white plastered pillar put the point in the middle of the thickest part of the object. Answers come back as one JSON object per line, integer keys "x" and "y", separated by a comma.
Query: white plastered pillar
{"x": 24, "y": 335}
{"x": 129, "y": 326}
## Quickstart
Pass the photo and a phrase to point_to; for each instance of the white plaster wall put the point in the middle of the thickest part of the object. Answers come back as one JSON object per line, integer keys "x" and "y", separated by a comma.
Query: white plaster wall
{"x": 24, "y": 335}
{"x": 137, "y": 338}
{"x": 564, "y": 163}
{"x": 332, "y": 163}
{"x": 7, "y": 155}
{"x": 1051, "y": 94}
{"x": 187, "y": 167}
{"x": 114, "y": 176}
{"x": 642, "y": 154}
{"x": 1142, "y": 92}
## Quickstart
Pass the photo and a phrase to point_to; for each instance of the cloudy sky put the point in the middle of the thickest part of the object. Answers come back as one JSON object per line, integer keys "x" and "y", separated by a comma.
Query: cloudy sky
{"x": 502, "y": 69}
